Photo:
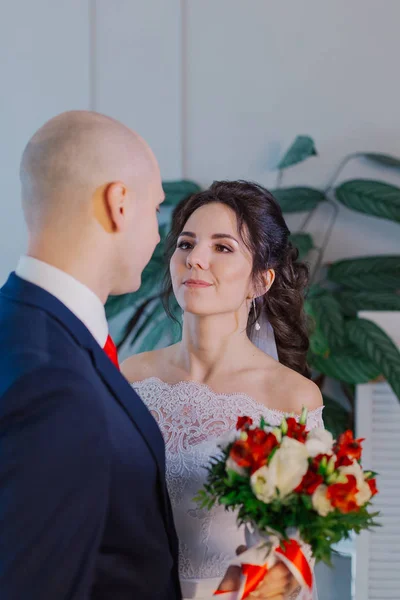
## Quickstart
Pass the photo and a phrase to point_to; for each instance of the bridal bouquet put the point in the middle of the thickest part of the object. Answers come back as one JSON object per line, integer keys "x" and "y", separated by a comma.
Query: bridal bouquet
{"x": 292, "y": 488}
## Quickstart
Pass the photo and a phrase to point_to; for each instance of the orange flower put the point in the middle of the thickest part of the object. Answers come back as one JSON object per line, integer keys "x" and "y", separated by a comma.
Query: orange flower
{"x": 244, "y": 422}
{"x": 296, "y": 430}
{"x": 347, "y": 446}
{"x": 372, "y": 486}
{"x": 261, "y": 447}
{"x": 343, "y": 495}
{"x": 309, "y": 483}
{"x": 253, "y": 452}
{"x": 241, "y": 454}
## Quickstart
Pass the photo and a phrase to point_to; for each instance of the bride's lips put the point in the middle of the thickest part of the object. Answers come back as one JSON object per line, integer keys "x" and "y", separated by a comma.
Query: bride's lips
{"x": 196, "y": 283}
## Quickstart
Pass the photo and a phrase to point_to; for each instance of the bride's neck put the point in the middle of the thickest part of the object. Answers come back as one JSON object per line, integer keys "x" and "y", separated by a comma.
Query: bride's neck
{"x": 212, "y": 345}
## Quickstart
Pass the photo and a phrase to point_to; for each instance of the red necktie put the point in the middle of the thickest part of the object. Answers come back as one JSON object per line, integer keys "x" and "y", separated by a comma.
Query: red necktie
{"x": 111, "y": 351}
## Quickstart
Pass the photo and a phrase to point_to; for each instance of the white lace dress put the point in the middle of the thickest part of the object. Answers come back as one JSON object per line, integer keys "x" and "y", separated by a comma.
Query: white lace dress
{"x": 192, "y": 418}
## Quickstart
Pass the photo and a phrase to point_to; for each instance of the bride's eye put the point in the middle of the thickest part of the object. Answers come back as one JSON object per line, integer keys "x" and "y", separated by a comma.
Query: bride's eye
{"x": 184, "y": 245}
{"x": 223, "y": 249}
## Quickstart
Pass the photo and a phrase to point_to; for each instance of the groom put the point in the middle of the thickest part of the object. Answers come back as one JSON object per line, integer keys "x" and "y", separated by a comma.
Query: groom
{"x": 84, "y": 509}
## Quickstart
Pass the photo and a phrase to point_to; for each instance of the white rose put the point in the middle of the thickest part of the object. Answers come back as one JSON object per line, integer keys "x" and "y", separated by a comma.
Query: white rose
{"x": 364, "y": 492}
{"x": 320, "y": 501}
{"x": 319, "y": 441}
{"x": 285, "y": 471}
{"x": 231, "y": 465}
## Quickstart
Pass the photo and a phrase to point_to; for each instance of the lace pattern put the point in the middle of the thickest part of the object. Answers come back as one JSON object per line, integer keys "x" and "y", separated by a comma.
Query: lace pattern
{"x": 193, "y": 420}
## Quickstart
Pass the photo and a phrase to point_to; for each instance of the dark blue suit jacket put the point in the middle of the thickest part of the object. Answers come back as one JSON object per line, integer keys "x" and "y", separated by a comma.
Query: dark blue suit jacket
{"x": 84, "y": 510}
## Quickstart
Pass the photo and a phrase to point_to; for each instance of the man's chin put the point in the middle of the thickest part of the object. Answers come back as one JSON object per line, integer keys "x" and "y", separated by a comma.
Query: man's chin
{"x": 122, "y": 289}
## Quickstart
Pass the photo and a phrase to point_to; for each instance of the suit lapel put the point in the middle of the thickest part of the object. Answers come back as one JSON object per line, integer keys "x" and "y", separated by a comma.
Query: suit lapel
{"x": 132, "y": 405}
{"x": 28, "y": 293}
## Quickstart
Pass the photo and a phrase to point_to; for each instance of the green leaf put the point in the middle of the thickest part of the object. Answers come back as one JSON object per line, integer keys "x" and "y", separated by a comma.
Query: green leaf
{"x": 374, "y": 343}
{"x": 117, "y": 304}
{"x": 302, "y": 148}
{"x": 298, "y": 199}
{"x": 336, "y": 416}
{"x": 303, "y": 242}
{"x": 371, "y": 197}
{"x": 349, "y": 366}
{"x": 175, "y": 191}
{"x": 370, "y": 272}
{"x": 327, "y": 313}
{"x": 382, "y": 159}
{"x": 318, "y": 343}
{"x": 354, "y": 301}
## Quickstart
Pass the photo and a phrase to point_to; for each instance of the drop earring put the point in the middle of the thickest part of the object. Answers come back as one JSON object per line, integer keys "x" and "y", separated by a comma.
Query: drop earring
{"x": 257, "y": 325}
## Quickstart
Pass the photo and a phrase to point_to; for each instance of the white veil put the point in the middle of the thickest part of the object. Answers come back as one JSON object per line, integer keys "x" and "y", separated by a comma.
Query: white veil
{"x": 264, "y": 338}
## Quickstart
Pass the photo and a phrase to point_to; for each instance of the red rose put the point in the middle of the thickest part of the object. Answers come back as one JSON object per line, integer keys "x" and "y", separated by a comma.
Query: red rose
{"x": 261, "y": 445}
{"x": 244, "y": 422}
{"x": 347, "y": 446}
{"x": 309, "y": 483}
{"x": 241, "y": 454}
{"x": 253, "y": 452}
{"x": 343, "y": 495}
{"x": 296, "y": 430}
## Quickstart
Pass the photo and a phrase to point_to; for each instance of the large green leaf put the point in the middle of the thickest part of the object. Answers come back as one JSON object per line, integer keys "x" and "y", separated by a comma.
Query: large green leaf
{"x": 157, "y": 329}
{"x": 383, "y": 159}
{"x": 318, "y": 343}
{"x": 298, "y": 199}
{"x": 303, "y": 147}
{"x": 337, "y": 418}
{"x": 353, "y": 301}
{"x": 367, "y": 273}
{"x": 349, "y": 366}
{"x": 374, "y": 343}
{"x": 117, "y": 304}
{"x": 175, "y": 191}
{"x": 371, "y": 197}
{"x": 328, "y": 316}
{"x": 303, "y": 242}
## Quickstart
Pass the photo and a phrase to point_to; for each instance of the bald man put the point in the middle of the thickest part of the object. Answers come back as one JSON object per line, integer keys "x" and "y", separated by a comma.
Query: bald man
{"x": 84, "y": 510}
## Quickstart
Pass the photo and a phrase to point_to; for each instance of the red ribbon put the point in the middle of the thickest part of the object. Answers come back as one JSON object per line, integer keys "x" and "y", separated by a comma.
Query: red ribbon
{"x": 291, "y": 555}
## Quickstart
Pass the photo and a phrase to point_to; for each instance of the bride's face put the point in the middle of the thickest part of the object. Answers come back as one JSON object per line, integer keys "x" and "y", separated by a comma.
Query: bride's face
{"x": 211, "y": 267}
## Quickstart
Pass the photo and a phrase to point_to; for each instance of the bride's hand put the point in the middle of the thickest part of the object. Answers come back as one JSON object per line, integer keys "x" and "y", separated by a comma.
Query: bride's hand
{"x": 278, "y": 584}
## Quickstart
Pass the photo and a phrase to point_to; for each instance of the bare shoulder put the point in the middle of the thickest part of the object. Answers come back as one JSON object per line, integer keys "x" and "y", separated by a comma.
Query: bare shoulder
{"x": 147, "y": 364}
{"x": 299, "y": 391}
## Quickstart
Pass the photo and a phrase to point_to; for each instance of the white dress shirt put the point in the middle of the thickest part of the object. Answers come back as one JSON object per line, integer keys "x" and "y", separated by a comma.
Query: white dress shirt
{"x": 75, "y": 295}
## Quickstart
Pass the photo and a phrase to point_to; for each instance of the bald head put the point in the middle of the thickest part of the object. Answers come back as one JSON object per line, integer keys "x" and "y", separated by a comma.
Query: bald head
{"x": 72, "y": 156}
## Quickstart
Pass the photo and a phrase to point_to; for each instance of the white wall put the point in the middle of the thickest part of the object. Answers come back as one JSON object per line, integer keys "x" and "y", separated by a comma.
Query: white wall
{"x": 219, "y": 88}
{"x": 44, "y": 70}
{"x": 121, "y": 57}
{"x": 258, "y": 73}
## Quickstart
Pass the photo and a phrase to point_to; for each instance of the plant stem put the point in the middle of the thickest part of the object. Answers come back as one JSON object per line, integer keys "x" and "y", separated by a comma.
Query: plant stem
{"x": 340, "y": 168}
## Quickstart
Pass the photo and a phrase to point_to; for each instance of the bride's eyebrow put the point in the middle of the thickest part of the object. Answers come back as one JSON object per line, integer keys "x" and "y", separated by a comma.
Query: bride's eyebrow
{"x": 215, "y": 236}
{"x": 219, "y": 236}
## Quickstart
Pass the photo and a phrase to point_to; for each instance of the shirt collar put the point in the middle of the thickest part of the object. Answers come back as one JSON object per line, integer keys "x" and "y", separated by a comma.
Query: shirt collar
{"x": 76, "y": 296}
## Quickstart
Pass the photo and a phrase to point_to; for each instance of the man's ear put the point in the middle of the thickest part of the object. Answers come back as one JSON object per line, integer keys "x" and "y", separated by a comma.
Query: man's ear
{"x": 110, "y": 206}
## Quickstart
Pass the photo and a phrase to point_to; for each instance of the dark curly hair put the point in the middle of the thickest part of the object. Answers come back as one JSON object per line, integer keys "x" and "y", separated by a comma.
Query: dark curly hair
{"x": 266, "y": 235}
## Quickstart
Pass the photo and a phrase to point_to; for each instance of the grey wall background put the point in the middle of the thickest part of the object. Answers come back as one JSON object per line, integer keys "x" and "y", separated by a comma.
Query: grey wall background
{"x": 218, "y": 87}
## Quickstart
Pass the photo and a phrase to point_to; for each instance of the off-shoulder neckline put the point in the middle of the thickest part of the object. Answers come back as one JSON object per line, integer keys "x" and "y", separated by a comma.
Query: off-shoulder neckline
{"x": 203, "y": 386}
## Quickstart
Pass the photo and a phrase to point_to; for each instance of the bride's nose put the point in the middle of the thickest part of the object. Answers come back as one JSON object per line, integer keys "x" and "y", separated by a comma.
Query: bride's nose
{"x": 198, "y": 257}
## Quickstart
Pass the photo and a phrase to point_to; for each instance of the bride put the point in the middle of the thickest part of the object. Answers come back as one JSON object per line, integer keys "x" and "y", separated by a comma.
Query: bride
{"x": 235, "y": 275}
